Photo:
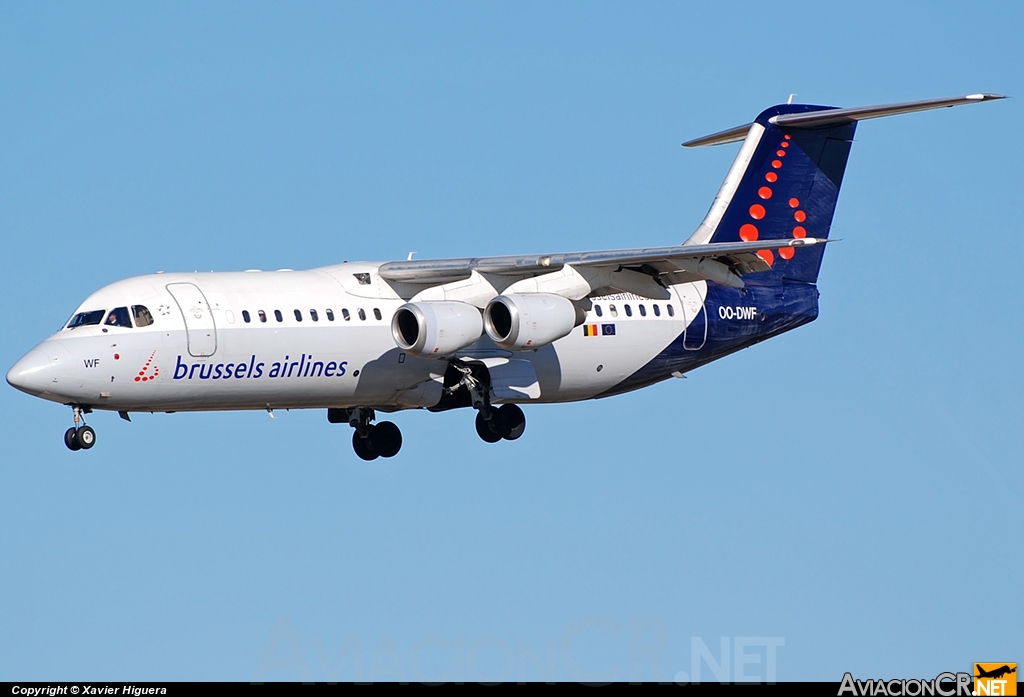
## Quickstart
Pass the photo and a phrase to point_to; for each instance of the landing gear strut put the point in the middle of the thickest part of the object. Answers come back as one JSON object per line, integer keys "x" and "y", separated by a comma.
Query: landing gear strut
{"x": 370, "y": 441}
{"x": 79, "y": 437}
{"x": 492, "y": 423}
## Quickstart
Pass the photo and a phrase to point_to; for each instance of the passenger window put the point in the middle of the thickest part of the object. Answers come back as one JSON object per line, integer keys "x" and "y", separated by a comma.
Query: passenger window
{"x": 245, "y": 316}
{"x": 362, "y": 314}
{"x": 314, "y": 316}
{"x": 277, "y": 316}
{"x": 629, "y": 311}
{"x": 263, "y": 316}
{"x": 613, "y": 311}
{"x": 657, "y": 311}
{"x": 142, "y": 316}
{"x": 298, "y": 315}
{"x": 597, "y": 310}
{"x": 345, "y": 315}
{"x": 330, "y": 314}
{"x": 84, "y": 319}
{"x": 118, "y": 317}
{"x": 376, "y": 313}
{"x": 643, "y": 311}
{"x": 671, "y": 310}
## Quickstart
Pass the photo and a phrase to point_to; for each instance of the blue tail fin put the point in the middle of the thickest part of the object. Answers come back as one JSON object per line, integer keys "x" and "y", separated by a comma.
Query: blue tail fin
{"x": 784, "y": 184}
{"x": 785, "y": 180}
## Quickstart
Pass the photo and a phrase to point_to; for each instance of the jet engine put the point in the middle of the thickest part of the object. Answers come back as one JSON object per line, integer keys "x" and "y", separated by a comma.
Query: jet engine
{"x": 435, "y": 328}
{"x": 530, "y": 320}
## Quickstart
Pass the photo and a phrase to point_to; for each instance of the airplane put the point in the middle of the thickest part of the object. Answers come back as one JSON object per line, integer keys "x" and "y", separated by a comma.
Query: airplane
{"x": 996, "y": 673}
{"x": 491, "y": 333}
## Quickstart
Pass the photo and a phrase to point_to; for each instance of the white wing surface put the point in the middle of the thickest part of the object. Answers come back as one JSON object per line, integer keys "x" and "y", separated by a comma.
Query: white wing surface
{"x": 724, "y": 263}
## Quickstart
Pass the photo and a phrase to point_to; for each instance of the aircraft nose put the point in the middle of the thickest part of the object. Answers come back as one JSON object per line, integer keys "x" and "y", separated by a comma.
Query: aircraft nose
{"x": 35, "y": 372}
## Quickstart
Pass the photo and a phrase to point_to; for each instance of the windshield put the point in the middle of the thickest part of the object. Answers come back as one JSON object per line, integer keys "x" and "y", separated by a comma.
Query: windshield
{"x": 83, "y": 319}
{"x": 118, "y": 317}
{"x": 143, "y": 318}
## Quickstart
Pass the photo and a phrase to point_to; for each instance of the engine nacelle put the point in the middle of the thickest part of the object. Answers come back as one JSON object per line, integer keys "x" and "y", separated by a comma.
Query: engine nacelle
{"x": 530, "y": 320}
{"x": 436, "y": 329}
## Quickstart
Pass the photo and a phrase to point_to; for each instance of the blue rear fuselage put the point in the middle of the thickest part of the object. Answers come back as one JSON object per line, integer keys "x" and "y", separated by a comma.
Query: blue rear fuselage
{"x": 731, "y": 319}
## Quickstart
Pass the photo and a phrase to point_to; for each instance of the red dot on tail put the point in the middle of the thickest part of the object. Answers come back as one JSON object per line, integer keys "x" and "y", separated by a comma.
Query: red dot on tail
{"x": 786, "y": 252}
{"x": 117, "y": 356}
{"x": 780, "y": 153}
{"x": 800, "y": 216}
{"x": 748, "y": 233}
{"x": 142, "y": 372}
{"x": 784, "y": 144}
{"x": 772, "y": 177}
{"x": 764, "y": 192}
{"x": 757, "y": 211}
{"x": 137, "y": 379}
{"x": 767, "y": 256}
{"x": 793, "y": 203}
{"x": 786, "y": 136}
{"x": 776, "y": 164}
{"x": 799, "y": 232}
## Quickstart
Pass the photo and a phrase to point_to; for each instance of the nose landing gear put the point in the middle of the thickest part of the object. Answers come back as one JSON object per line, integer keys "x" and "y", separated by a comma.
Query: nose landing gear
{"x": 80, "y": 437}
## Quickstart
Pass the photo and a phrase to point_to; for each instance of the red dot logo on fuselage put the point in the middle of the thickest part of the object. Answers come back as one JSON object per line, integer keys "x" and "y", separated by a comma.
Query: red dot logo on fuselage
{"x": 149, "y": 371}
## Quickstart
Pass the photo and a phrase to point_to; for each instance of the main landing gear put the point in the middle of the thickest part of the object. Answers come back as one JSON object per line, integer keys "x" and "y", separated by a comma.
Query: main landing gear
{"x": 370, "y": 441}
{"x": 507, "y": 421}
{"x": 80, "y": 437}
{"x": 492, "y": 423}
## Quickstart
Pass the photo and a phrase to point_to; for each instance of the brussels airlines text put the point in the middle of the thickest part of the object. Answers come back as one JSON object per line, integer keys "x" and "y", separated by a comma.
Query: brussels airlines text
{"x": 304, "y": 367}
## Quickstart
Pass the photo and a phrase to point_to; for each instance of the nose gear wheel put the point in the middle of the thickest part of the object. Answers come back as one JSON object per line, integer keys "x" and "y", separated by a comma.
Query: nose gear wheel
{"x": 80, "y": 437}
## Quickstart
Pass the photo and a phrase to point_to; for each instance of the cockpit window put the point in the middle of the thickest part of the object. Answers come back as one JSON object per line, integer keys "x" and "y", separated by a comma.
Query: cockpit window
{"x": 144, "y": 319}
{"x": 83, "y": 319}
{"x": 118, "y": 317}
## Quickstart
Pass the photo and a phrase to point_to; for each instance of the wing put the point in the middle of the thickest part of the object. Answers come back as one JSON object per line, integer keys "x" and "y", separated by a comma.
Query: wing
{"x": 722, "y": 262}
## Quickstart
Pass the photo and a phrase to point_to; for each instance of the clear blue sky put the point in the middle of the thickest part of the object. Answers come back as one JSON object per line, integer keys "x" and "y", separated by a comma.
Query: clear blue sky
{"x": 848, "y": 488}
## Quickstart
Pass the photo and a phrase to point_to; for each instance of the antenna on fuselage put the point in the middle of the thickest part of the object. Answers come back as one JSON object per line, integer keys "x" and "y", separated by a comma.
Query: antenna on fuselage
{"x": 790, "y": 100}
{"x": 409, "y": 258}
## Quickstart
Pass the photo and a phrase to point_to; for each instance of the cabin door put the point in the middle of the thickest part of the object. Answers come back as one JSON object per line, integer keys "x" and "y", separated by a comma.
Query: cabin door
{"x": 199, "y": 326}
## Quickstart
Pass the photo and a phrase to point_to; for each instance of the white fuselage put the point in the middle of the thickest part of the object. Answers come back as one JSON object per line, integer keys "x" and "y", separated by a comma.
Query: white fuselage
{"x": 314, "y": 339}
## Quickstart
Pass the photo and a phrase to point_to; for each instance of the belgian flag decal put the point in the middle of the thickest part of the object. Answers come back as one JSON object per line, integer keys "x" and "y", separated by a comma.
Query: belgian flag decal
{"x": 590, "y": 330}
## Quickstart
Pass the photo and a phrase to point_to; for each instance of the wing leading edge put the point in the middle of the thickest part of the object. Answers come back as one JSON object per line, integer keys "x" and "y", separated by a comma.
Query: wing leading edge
{"x": 733, "y": 259}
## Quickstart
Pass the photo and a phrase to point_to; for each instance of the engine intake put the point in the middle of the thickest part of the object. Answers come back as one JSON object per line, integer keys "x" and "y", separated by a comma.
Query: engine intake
{"x": 436, "y": 328}
{"x": 530, "y": 320}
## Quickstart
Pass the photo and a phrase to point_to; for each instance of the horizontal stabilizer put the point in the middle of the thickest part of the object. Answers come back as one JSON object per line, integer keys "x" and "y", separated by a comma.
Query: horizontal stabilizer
{"x": 833, "y": 117}
{"x": 733, "y": 135}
